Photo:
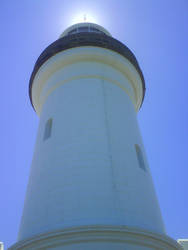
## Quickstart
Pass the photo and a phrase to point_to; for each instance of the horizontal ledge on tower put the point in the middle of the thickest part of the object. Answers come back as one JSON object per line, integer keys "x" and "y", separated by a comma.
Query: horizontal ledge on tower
{"x": 97, "y": 234}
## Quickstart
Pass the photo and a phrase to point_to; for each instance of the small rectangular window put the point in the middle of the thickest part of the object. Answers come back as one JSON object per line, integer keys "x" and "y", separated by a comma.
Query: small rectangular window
{"x": 48, "y": 129}
{"x": 83, "y": 29}
{"x": 93, "y": 29}
{"x": 140, "y": 157}
{"x": 72, "y": 31}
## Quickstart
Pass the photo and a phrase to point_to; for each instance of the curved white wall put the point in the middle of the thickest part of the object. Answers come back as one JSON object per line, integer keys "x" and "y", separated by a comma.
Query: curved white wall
{"x": 87, "y": 172}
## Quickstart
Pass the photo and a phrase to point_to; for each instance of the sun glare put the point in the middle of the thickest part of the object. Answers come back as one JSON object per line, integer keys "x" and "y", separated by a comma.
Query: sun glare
{"x": 83, "y": 17}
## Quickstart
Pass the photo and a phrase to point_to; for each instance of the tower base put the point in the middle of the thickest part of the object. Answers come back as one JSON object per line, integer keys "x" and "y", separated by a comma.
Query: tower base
{"x": 100, "y": 237}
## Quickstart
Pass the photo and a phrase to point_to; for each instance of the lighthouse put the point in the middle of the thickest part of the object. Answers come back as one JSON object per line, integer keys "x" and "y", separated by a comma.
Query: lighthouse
{"x": 90, "y": 185}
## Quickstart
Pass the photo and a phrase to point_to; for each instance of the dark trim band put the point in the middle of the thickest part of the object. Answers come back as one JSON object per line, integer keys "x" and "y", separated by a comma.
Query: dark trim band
{"x": 85, "y": 39}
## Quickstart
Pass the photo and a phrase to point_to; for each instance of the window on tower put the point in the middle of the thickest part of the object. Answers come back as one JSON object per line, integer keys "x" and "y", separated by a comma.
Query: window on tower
{"x": 48, "y": 129}
{"x": 72, "y": 31}
{"x": 83, "y": 29}
{"x": 92, "y": 29}
{"x": 140, "y": 157}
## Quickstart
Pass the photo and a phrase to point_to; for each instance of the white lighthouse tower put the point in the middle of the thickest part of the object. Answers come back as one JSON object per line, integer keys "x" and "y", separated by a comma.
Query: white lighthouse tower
{"x": 90, "y": 185}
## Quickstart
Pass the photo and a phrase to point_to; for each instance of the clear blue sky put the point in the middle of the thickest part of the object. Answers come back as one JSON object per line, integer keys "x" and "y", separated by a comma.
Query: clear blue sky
{"x": 157, "y": 33}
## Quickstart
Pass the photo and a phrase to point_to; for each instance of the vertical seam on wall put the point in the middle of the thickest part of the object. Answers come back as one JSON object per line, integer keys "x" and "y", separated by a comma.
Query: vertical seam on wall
{"x": 114, "y": 186}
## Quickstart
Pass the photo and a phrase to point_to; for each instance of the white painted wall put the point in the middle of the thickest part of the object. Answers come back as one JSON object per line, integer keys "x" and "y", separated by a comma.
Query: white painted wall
{"x": 87, "y": 172}
{"x": 183, "y": 243}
